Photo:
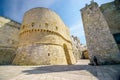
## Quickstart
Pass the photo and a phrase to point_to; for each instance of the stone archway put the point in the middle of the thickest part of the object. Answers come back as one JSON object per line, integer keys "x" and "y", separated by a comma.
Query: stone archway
{"x": 67, "y": 55}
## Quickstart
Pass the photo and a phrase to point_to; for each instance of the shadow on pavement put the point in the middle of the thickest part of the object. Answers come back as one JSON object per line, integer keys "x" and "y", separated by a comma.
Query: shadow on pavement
{"x": 110, "y": 72}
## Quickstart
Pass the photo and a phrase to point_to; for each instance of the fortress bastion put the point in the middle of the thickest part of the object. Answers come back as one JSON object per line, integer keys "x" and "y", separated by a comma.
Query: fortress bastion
{"x": 43, "y": 40}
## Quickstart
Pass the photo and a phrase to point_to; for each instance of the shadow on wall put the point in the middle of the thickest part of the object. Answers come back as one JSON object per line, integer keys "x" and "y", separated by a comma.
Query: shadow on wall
{"x": 100, "y": 72}
{"x": 6, "y": 56}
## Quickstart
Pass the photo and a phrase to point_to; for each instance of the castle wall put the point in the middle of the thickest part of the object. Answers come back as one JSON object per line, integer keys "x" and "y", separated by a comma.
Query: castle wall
{"x": 8, "y": 40}
{"x": 112, "y": 15}
{"x": 100, "y": 41}
{"x": 46, "y": 19}
{"x": 9, "y": 31}
{"x": 46, "y": 38}
{"x": 76, "y": 47}
{"x": 36, "y": 54}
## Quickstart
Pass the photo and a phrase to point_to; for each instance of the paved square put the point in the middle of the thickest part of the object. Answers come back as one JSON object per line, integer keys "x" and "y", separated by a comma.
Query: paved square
{"x": 80, "y": 71}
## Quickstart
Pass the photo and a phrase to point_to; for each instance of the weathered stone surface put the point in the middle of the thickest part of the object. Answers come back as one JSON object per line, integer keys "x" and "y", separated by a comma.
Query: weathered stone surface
{"x": 100, "y": 41}
{"x": 8, "y": 40}
{"x": 9, "y": 31}
{"x": 112, "y": 15}
{"x": 78, "y": 48}
{"x": 7, "y": 55}
{"x": 44, "y": 39}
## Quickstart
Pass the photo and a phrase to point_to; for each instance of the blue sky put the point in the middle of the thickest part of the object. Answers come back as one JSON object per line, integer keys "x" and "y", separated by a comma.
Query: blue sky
{"x": 68, "y": 10}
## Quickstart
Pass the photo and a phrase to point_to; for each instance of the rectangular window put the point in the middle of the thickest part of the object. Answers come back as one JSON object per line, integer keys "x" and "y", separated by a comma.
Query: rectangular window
{"x": 117, "y": 38}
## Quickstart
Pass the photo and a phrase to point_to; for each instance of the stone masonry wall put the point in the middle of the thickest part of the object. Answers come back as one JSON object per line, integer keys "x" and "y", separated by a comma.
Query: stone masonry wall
{"x": 9, "y": 31}
{"x": 111, "y": 13}
{"x": 100, "y": 41}
{"x": 44, "y": 39}
{"x": 112, "y": 16}
{"x": 76, "y": 47}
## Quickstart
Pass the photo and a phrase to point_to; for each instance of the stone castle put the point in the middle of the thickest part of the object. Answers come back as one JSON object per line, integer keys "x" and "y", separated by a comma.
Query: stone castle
{"x": 43, "y": 39}
{"x": 102, "y": 31}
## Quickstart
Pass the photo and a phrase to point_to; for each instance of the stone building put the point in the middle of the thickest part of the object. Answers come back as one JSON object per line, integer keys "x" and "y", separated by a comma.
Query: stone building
{"x": 79, "y": 50}
{"x": 111, "y": 12}
{"x": 8, "y": 40}
{"x": 102, "y": 31}
{"x": 76, "y": 47}
{"x": 44, "y": 39}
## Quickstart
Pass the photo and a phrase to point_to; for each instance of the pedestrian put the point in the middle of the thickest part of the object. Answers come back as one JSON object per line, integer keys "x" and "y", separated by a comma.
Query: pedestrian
{"x": 95, "y": 60}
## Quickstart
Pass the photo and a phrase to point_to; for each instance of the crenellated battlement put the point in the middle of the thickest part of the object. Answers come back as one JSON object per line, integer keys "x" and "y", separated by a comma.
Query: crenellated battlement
{"x": 28, "y": 32}
{"x": 42, "y": 25}
{"x": 92, "y": 7}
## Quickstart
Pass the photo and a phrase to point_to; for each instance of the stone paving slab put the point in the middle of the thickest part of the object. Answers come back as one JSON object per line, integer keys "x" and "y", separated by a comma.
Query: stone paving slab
{"x": 79, "y": 71}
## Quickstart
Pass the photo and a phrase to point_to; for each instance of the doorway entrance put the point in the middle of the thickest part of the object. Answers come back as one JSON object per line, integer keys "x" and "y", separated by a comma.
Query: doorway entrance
{"x": 67, "y": 55}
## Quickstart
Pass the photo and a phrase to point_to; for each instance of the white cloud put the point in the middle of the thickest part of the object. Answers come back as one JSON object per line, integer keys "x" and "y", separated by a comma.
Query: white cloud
{"x": 21, "y": 6}
{"x": 77, "y": 30}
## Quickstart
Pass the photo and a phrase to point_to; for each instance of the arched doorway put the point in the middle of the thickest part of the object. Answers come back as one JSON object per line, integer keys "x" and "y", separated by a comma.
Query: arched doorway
{"x": 67, "y": 55}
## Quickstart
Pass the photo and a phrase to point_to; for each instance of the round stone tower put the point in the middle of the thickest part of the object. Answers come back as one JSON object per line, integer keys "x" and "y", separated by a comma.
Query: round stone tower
{"x": 43, "y": 39}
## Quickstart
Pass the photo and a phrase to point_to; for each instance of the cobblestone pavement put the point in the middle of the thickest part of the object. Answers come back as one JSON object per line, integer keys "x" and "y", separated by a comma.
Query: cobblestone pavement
{"x": 80, "y": 71}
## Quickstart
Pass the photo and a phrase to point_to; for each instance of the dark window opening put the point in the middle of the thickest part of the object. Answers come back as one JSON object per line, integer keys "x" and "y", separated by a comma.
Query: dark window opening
{"x": 56, "y": 28}
{"x": 91, "y": 8}
{"x": 46, "y": 24}
{"x": 48, "y": 54}
{"x": 117, "y": 37}
{"x": 32, "y": 24}
{"x": 23, "y": 26}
